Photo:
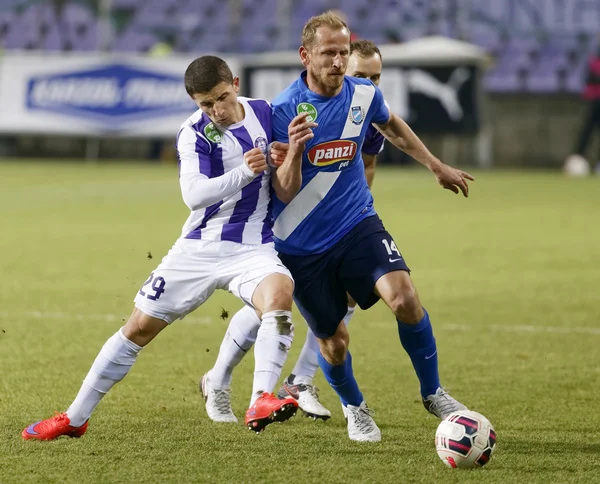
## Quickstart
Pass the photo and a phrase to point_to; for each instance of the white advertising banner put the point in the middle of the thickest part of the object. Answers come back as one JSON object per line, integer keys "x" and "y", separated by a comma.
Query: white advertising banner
{"x": 94, "y": 95}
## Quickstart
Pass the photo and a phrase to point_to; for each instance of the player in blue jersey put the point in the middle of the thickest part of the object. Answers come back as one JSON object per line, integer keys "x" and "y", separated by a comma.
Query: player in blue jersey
{"x": 365, "y": 62}
{"x": 326, "y": 230}
{"x": 226, "y": 243}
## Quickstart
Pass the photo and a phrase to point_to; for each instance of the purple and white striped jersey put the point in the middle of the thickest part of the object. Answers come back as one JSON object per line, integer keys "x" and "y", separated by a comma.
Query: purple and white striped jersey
{"x": 231, "y": 203}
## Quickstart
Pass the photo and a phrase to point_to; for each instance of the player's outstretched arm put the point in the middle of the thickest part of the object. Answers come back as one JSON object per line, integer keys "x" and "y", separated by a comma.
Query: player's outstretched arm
{"x": 403, "y": 138}
{"x": 287, "y": 179}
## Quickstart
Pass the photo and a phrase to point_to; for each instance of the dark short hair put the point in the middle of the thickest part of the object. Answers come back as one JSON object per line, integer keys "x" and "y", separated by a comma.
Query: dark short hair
{"x": 206, "y": 72}
{"x": 364, "y": 48}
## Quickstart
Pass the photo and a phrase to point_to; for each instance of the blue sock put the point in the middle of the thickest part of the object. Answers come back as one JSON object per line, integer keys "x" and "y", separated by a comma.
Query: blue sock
{"x": 341, "y": 378}
{"x": 419, "y": 343}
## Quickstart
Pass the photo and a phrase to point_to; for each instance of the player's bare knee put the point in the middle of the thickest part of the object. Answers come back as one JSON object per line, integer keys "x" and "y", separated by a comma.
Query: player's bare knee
{"x": 274, "y": 293}
{"x": 334, "y": 349}
{"x": 141, "y": 328}
{"x": 279, "y": 299}
{"x": 339, "y": 351}
{"x": 406, "y": 306}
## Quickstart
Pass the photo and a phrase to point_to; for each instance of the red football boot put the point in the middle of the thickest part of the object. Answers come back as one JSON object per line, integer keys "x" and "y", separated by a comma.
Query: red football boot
{"x": 53, "y": 428}
{"x": 268, "y": 409}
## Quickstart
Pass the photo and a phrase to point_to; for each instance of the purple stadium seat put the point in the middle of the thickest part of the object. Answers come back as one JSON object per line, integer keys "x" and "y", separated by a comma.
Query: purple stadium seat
{"x": 522, "y": 45}
{"x": 505, "y": 76}
{"x": 412, "y": 32}
{"x": 148, "y": 19}
{"x": 7, "y": 19}
{"x": 39, "y": 14}
{"x": 209, "y": 25}
{"x": 500, "y": 82}
{"x": 543, "y": 79}
{"x": 490, "y": 41}
{"x": 126, "y": 4}
{"x": 133, "y": 41}
{"x": 88, "y": 43}
{"x": 254, "y": 11}
{"x": 76, "y": 13}
{"x": 22, "y": 38}
{"x": 303, "y": 10}
{"x": 12, "y": 4}
{"x": 53, "y": 40}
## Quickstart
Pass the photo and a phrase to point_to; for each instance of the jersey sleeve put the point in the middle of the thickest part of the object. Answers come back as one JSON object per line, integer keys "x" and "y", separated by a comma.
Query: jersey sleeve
{"x": 373, "y": 143}
{"x": 381, "y": 114}
{"x": 198, "y": 190}
{"x": 193, "y": 152}
{"x": 281, "y": 121}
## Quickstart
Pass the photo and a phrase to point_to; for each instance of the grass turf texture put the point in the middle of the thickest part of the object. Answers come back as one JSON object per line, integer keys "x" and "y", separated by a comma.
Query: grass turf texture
{"x": 510, "y": 277}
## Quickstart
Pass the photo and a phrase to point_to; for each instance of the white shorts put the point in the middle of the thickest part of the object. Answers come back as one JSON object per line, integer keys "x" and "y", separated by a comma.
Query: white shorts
{"x": 193, "y": 269}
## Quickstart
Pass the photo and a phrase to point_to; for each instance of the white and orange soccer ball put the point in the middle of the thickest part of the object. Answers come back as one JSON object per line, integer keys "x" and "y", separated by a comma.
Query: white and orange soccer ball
{"x": 465, "y": 439}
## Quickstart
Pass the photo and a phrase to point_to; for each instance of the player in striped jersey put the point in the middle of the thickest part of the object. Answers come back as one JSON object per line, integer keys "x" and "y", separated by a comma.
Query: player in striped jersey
{"x": 226, "y": 243}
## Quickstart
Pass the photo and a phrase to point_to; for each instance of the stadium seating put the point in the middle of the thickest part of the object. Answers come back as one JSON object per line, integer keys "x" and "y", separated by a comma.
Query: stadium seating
{"x": 531, "y": 55}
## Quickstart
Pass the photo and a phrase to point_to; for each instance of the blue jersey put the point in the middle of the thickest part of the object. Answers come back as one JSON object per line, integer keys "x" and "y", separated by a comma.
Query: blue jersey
{"x": 334, "y": 195}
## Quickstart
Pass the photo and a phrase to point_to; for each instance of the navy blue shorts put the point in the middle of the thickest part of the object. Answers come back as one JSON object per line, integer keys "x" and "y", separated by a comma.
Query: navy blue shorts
{"x": 351, "y": 266}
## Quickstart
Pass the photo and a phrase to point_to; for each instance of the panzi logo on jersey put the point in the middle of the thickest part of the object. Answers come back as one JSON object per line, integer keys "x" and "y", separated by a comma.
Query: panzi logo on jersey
{"x": 332, "y": 152}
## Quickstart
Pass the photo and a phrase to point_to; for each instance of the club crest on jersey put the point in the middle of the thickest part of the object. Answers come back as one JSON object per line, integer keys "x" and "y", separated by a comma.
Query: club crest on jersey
{"x": 212, "y": 133}
{"x": 261, "y": 143}
{"x": 331, "y": 152}
{"x": 357, "y": 114}
{"x": 307, "y": 108}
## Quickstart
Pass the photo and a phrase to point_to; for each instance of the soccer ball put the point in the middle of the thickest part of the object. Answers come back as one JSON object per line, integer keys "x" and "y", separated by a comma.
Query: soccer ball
{"x": 576, "y": 166}
{"x": 465, "y": 439}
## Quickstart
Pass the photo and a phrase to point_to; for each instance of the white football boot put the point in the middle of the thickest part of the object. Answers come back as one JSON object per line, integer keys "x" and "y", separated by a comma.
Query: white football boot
{"x": 218, "y": 402}
{"x": 361, "y": 426}
{"x": 307, "y": 397}
{"x": 441, "y": 404}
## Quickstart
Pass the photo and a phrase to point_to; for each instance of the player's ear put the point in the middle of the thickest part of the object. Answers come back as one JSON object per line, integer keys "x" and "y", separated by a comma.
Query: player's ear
{"x": 304, "y": 55}
{"x": 236, "y": 84}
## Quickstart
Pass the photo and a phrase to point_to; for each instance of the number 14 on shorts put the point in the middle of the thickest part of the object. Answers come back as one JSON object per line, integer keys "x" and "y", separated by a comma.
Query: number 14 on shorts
{"x": 392, "y": 250}
{"x": 157, "y": 284}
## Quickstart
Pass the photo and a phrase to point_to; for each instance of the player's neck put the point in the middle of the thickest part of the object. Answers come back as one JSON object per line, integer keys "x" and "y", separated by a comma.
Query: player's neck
{"x": 240, "y": 113}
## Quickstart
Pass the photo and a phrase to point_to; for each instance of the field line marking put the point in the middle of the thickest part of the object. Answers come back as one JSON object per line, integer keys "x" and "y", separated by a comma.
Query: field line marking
{"x": 107, "y": 317}
{"x": 504, "y": 328}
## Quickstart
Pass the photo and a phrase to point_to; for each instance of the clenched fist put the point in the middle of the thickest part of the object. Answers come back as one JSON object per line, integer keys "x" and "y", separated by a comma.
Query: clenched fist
{"x": 255, "y": 160}
{"x": 299, "y": 132}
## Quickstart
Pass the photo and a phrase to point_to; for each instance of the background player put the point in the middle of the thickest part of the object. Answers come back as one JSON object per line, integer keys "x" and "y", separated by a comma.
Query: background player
{"x": 327, "y": 231}
{"x": 365, "y": 62}
{"x": 226, "y": 243}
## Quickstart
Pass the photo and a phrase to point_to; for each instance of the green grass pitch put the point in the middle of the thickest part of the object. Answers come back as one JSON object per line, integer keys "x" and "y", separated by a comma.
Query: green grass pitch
{"x": 510, "y": 276}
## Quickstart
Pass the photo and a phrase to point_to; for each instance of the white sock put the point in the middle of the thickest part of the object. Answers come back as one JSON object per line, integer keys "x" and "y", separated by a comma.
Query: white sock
{"x": 272, "y": 345}
{"x": 307, "y": 364}
{"x": 240, "y": 336}
{"x": 113, "y": 362}
{"x": 349, "y": 315}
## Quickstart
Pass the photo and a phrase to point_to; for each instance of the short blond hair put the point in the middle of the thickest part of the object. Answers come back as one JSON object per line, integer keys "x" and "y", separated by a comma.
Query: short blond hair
{"x": 330, "y": 19}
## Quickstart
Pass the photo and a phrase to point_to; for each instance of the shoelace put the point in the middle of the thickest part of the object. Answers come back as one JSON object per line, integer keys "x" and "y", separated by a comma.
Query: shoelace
{"x": 313, "y": 391}
{"x": 364, "y": 420}
{"x": 444, "y": 404}
{"x": 222, "y": 401}
{"x": 59, "y": 417}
